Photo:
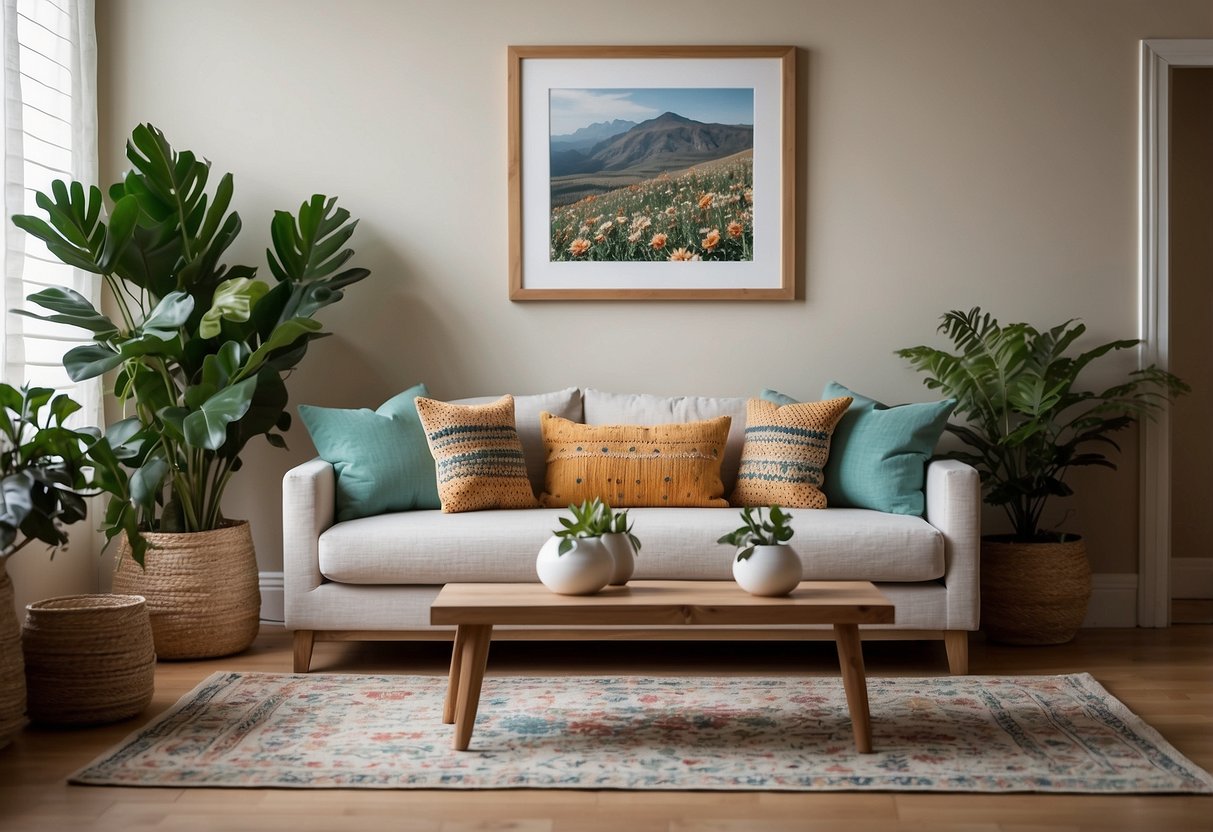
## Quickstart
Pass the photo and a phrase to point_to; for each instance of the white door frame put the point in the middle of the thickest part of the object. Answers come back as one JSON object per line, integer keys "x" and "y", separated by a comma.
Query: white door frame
{"x": 1154, "y": 545}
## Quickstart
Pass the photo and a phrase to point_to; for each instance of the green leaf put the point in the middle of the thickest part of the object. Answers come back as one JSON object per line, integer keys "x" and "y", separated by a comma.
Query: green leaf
{"x": 62, "y": 406}
{"x": 169, "y": 315}
{"x": 15, "y": 505}
{"x": 197, "y": 395}
{"x": 233, "y": 301}
{"x": 147, "y": 482}
{"x": 207, "y": 427}
{"x": 89, "y": 361}
{"x": 173, "y": 421}
{"x": 218, "y": 368}
{"x": 121, "y": 230}
{"x": 73, "y": 309}
{"x": 284, "y": 335}
{"x": 308, "y": 253}
{"x": 150, "y": 344}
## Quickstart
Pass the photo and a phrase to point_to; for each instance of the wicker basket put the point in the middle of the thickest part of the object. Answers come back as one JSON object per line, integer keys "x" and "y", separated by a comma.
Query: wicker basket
{"x": 88, "y": 659}
{"x": 12, "y": 675}
{"x": 1033, "y": 593}
{"x": 201, "y": 590}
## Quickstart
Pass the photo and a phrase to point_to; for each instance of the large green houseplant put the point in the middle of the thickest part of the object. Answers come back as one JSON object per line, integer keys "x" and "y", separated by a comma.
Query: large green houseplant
{"x": 1029, "y": 421}
{"x": 43, "y": 467}
{"x": 199, "y": 349}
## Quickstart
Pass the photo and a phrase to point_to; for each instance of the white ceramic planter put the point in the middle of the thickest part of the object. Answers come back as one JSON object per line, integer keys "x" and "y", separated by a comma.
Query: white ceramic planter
{"x": 582, "y": 570}
{"x": 769, "y": 571}
{"x": 623, "y": 553}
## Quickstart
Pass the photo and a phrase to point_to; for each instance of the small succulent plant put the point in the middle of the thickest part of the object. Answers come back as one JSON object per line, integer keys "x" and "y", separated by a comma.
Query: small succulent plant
{"x": 617, "y": 523}
{"x": 758, "y": 531}
{"x": 590, "y": 519}
{"x": 593, "y": 518}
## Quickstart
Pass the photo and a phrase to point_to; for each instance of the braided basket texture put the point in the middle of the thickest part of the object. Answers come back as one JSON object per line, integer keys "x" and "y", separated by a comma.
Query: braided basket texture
{"x": 1034, "y": 593}
{"x": 12, "y": 676}
{"x": 201, "y": 589}
{"x": 88, "y": 659}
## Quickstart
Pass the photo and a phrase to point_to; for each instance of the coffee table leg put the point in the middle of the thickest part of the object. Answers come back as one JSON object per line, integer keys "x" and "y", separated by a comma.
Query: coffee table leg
{"x": 471, "y": 674}
{"x": 452, "y": 686}
{"x": 850, "y": 658}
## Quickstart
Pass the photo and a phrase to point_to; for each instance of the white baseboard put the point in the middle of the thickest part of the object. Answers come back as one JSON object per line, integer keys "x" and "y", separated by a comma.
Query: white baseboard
{"x": 271, "y": 597}
{"x": 1192, "y": 578}
{"x": 1113, "y": 600}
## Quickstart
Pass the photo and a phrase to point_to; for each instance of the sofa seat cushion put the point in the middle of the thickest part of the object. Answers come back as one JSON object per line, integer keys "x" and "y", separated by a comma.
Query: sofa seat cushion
{"x": 429, "y": 547}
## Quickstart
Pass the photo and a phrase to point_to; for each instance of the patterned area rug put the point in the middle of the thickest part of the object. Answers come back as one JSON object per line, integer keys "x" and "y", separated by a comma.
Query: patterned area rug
{"x": 970, "y": 734}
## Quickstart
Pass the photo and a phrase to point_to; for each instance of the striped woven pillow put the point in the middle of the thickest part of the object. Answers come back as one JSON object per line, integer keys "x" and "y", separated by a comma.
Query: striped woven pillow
{"x": 477, "y": 455}
{"x": 785, "y": 452}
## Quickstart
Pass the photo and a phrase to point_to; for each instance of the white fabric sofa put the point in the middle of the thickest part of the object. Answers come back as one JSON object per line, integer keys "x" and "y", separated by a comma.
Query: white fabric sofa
{"x": 374, "y": 577}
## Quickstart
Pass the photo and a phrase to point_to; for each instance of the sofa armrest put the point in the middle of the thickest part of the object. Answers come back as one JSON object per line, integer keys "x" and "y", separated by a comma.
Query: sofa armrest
{"x": 308, "y": 507}
{"x": 954, "y": 507}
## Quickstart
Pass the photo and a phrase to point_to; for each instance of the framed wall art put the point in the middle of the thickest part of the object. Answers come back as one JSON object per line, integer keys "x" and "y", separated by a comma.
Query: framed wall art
{"x": 652, "y": 172}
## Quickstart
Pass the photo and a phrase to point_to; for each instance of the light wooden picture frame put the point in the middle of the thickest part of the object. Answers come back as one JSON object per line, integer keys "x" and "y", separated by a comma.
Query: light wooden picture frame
{"x": 652, "y": 172}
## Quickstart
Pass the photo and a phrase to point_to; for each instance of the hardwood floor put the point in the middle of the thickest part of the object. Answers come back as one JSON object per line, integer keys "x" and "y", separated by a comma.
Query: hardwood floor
{"x": 1166, "y": 676}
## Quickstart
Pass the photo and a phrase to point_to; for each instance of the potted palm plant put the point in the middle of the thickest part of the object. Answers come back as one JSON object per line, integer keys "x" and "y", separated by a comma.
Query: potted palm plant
{"x": 1028, "y": 423}
{"x": 199, "y": 353}
{"x": 42, "y": 475}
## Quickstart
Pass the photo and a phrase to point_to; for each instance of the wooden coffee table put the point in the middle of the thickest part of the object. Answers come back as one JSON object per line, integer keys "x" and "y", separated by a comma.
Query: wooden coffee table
{"x": 476, "y": 608}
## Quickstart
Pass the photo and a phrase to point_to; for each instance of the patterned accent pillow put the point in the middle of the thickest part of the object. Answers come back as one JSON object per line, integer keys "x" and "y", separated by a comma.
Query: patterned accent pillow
{"x": 477, "y": 455}
{"x": 635, "y": 465}
{"x": 785, "y": 452}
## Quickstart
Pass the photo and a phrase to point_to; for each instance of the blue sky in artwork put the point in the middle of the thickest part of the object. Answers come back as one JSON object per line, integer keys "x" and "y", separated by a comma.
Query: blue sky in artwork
{"x": 572, "y": 109}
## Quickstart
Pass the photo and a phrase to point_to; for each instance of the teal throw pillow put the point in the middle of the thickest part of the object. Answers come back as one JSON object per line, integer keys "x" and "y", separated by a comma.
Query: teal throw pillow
{"x": 382, "y": 460}
{"x": 878, "y": 454}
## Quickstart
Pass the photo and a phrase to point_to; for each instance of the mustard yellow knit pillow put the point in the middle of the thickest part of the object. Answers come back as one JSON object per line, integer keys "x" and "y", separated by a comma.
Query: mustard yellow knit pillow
{"x": 785, "y": 452}
{"x": 634, "y": 465}
{"x": 477, "y": 455}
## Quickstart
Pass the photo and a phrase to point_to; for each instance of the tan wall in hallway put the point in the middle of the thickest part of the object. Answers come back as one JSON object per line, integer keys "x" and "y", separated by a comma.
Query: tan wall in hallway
{"x": 953, "y": 153}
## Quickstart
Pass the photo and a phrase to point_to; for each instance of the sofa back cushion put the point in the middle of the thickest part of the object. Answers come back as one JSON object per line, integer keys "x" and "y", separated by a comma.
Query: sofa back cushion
{"x": 635, "y": 465}
{"x": 563, "y": 403}
{"x": 785, "y": 453}
{"x": 644, "y": 409}
{"x": 477, "y": 455}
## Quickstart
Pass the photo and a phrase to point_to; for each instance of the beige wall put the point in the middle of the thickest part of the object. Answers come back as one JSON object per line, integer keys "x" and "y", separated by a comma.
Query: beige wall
{"x": 1191, "y": 305}
{"x": 952, "y": 154}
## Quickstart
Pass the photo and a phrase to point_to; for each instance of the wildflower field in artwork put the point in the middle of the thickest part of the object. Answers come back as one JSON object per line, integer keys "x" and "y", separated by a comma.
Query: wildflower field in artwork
{"x": 705, "y": 212}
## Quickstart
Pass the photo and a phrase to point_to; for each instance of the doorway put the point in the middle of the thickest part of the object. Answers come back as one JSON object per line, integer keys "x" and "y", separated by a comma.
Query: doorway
{"x": 1190, "y": 326}
{"x": 1156, "y": 566}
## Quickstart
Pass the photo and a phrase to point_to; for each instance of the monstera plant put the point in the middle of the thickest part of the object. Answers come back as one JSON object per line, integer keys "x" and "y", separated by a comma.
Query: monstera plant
{"x": 198, "y": 349}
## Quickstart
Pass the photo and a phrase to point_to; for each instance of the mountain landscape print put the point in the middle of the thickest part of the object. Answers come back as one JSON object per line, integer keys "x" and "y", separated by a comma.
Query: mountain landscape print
{"x": 652, "y": 174}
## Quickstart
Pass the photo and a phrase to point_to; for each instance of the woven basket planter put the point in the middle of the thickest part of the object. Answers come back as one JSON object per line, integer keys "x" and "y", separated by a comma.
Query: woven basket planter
{"x": 1033, "y": 593}
{"x": 12, "y": 674}
{"x": 88, "y": 659}
{"x": 201, "y": 590}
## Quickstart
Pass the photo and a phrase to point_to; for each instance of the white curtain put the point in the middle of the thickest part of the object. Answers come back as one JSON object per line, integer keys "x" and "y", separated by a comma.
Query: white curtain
{"x": 50, "y": 132}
